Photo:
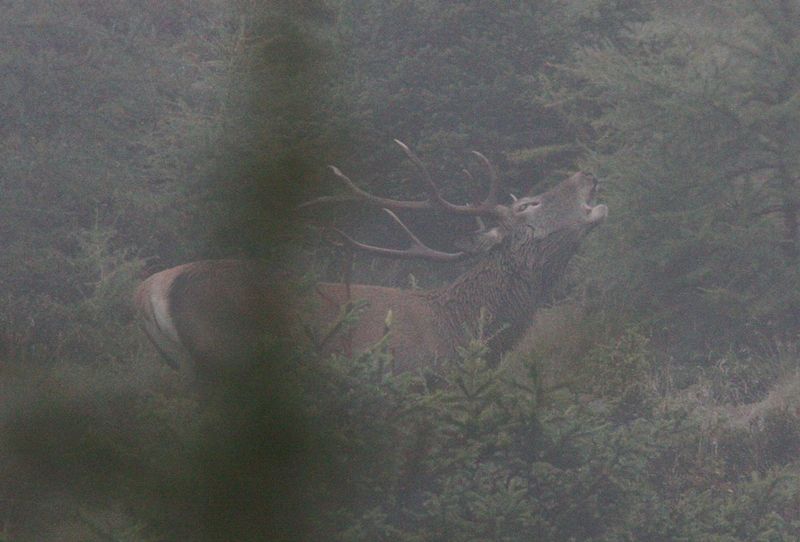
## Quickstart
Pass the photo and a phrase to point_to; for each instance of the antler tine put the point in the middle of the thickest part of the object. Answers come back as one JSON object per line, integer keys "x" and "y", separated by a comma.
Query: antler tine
{"x": 349, "y": 183}
{"x": 418, "y": 249}
{"x": 405, "y": 228}
{"x": 494, "y": 183}
{"x": 433, "y": 188}
{"x": 478, "y": 220}
{"x": 435, "y": 201}
{"x": 436, "y": 197}
{"x": 359, "y": 195}
{"x": 468, "y": 174}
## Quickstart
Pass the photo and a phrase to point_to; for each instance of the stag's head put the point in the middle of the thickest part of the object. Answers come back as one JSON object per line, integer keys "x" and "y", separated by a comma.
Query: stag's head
{"x": 568, "y": 205}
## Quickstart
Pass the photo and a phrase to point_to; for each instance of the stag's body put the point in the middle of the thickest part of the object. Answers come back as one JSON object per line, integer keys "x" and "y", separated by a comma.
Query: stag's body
{"x": 253, "y": 302}
{"x": 504, "y": 290}
{"x": 215, "y": 313}
{"x": 241, "y": 301}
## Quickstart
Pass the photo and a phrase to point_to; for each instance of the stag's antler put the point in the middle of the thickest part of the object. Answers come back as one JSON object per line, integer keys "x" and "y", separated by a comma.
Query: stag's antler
{"x": 362, "y": 196}
{"x": 489, "y": 208}
{"x": 418, "y": 249}
{"x": 494, "y": 180}
{"x": 435, "y": 202}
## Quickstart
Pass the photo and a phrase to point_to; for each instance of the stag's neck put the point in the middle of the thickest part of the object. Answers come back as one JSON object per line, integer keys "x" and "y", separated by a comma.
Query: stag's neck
{"x": 506, "y": 288}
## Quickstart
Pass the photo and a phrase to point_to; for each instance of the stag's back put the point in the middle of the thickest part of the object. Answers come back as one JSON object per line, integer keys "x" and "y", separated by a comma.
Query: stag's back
{"x": 215, "y": 314}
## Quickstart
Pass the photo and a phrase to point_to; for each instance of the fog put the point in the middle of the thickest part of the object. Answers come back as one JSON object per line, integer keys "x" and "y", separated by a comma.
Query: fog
{"x": 578, "y": 320}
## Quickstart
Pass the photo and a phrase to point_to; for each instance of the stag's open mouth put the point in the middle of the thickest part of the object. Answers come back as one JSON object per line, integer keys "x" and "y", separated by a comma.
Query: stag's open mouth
{"x": 598, "y": 213}
{"x": 594, "y": 212}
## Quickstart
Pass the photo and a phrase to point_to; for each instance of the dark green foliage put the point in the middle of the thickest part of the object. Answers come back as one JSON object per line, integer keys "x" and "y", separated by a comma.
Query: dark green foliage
{"x": 308, "y": 449}
{"x": 87, "y": 90}
{"x": 453, "y": 77}
{"x": 275, "y": 129}
{"x": 486, "y": 459}
{"x": 663, "y": 406}
{"x": 699, "y": 147}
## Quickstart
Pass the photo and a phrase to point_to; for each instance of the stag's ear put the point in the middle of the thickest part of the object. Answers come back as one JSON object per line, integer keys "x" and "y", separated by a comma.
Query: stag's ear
{"x": 481, "y": 241}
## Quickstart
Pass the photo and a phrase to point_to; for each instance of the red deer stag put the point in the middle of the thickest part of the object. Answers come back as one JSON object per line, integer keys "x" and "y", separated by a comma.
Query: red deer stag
{"x": 214, "y": 313}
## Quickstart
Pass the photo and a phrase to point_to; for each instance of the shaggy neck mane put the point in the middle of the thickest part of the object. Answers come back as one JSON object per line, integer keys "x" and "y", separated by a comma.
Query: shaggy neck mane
{"x": 510, "y": 284}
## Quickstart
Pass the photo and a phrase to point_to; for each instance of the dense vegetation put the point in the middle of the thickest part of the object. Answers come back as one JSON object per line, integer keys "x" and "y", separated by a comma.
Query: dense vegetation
{"x": 657, "y": 401}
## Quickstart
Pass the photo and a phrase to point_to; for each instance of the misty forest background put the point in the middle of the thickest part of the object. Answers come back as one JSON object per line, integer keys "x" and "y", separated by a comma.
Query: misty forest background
{"x": 658, "y": 400}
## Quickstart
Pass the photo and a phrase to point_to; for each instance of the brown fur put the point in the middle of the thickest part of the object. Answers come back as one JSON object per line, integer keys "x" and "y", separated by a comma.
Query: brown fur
{"x": 215, "y": 313}
{"x": 221, "y": 309}
{"x": 415, "y": 334}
